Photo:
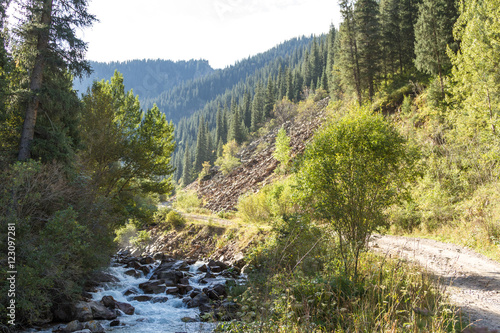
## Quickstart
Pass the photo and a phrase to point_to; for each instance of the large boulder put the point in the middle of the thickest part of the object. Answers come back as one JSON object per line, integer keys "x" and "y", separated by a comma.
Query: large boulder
{"x": 73, "y": 326}
{"x": 99, "y": 311}
{"x": 94, "y": 327}
{"x": 198, "y": 300}
{"x": 153, "y": 287}
{"x": 216, "y": 292}
{"x": 111, "y": 303}
{"x": 83, "y": 312}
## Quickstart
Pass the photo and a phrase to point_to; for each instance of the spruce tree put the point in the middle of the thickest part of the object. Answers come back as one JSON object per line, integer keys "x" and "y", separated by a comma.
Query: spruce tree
{"x": 330, "y": 56}
{"x": 48, "y": 37}
{"x": 433, "y": 32}
{"x": 347, "y": 55}
{"x": 269, "y": 99}
{"x": 201, "y": 147}
{"x": 366, "y": 17}
{"x": 186, "y": 168}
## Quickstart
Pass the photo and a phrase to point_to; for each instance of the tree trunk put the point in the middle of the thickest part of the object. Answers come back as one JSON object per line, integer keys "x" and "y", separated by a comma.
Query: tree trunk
{"x": 36, "y": 80}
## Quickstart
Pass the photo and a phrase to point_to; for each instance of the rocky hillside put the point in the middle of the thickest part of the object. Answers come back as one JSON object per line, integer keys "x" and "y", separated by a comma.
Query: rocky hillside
{"x": 221, "y": 192}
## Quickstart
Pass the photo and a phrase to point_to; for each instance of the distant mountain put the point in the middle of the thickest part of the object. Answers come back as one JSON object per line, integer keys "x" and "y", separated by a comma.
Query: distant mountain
{"x": 185, "y": 99}
{"x": 148, "y": 78}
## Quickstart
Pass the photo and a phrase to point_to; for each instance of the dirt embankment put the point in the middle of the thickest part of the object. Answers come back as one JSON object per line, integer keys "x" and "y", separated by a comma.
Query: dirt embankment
{"x": 471, "y": 280}
{"x": 221, "y": 192}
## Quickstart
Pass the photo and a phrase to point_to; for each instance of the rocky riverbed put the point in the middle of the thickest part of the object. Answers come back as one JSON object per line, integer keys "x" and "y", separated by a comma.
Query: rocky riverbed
{"x": 156, "y": 294}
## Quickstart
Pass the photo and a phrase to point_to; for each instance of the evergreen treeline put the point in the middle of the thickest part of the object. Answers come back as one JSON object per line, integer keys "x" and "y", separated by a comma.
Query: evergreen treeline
{"x": 147, "y": 78}
{"x": 287, "y": 71}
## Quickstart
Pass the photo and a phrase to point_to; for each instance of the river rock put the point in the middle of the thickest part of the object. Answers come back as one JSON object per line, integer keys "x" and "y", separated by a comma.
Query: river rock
{"x": 172, "y": 291}
{"x": 73, "y": 326}
{"x": 133, "y": 264}
{"x": 215, "y": 263}
{"x": 183, "y": 289}
{"x": 144, "y": 269}
{"x": 142, "y": 298}
{"x": 159, "y": 299}
{"x": 172, "y": 275}
{"x": 158, "y": 256}
{"x": 198, "y": 300}
{"x": 147, "y": 260}
{"x": 131, "y": 291}
{"x": 216, "y": 292}
{"x": 202, "y": 268}
{"x": 94, "y": 326}
{"x": 188, "y": 320}
{"x": 132, "y": 272}
{"x": 154, "y": 287}
{"x": 114, "y": 323}
{"x": 111, "y": 303}
{"x": 83, "y": 312}
{"x": 99, "y": 311}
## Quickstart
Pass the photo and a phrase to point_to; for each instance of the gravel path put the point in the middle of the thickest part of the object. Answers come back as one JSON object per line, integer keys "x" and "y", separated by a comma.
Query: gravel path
{"x": 472, "y": 280}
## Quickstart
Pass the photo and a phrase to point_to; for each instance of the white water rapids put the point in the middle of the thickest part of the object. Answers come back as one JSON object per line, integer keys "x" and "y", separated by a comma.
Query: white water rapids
{"x": 152, "y": 317}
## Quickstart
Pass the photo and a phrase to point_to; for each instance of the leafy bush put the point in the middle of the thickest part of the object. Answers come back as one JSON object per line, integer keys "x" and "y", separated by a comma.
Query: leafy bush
{"x": 228, "y": 161}
{"x": 62, "y": 234}
{"x": 141, "y": 240}
{"x": 271, "y": 202}
{"x": 354, "y": 169}
{"x": 187, "y": 200}
{"x": 173, "y": 220}
{"x": 125, "y": 234}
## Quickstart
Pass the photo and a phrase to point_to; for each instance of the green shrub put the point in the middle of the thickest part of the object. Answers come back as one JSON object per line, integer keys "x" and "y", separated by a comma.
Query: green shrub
{"x": 228, "y": 161}
{"x": 187, "y": 201}
{"x": 61, "y": 234}
{"x": 173, "y": 220}
{"x": 125, "y": 234}
{"x": 141, "y": 240}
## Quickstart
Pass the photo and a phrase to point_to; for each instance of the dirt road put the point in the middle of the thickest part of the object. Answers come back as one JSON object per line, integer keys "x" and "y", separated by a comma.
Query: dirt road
{"x": 472, "y": 280}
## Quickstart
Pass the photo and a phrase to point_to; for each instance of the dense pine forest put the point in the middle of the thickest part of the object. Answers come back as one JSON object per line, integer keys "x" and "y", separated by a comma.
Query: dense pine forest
{"x": 414, "y": 96}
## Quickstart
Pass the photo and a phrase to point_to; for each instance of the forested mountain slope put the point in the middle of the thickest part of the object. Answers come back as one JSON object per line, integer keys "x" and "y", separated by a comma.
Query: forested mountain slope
{"x": 148, "y": 78}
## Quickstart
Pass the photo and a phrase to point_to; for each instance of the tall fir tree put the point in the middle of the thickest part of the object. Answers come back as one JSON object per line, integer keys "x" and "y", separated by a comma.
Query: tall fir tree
{"x": 48, "y": 40}
{"x": 186, "y": 168}
{"x": 269, "y": 98}
{"x": 201, "y": 147}
{"x": 347, "y": 56}
{"x": 433, "y": 33}
{"x": 368, "y": 43}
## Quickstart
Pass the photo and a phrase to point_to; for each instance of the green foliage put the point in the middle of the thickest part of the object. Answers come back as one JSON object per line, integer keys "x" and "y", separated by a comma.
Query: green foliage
{"x": 297, "y": 284}
{"x": 354, "y": 169}
{"x": 433, "y": 33}
{"x": 187, "y": 200}
{"x": 141, "y": 240}
{"x": 62, "y": 234}
{"x": 475, "y": 70}
{"x": 174, "y": 220}
{"x": 282, "y": 150}
{"x": 125, "y": 234}
{"x": 126, "y": 151}
{"x": 273, "y": 202}
{"x": 228, "y": 161}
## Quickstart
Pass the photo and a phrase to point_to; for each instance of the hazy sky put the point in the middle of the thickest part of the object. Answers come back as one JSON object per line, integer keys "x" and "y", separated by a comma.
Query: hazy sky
{"x": 220, "y": 31}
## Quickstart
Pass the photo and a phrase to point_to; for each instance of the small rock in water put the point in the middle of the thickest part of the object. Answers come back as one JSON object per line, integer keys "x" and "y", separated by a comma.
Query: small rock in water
{"x": 131, "y": 291}
{"x": 142, "y": 298}
{"x": 73, "y": 326}
{"x": 188, "y": 320}
{"x": 159, "y": 299}
{"x": 114, "y": 323}
{"x": 133, "y": 272}
{"x": 94, "y": 326}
